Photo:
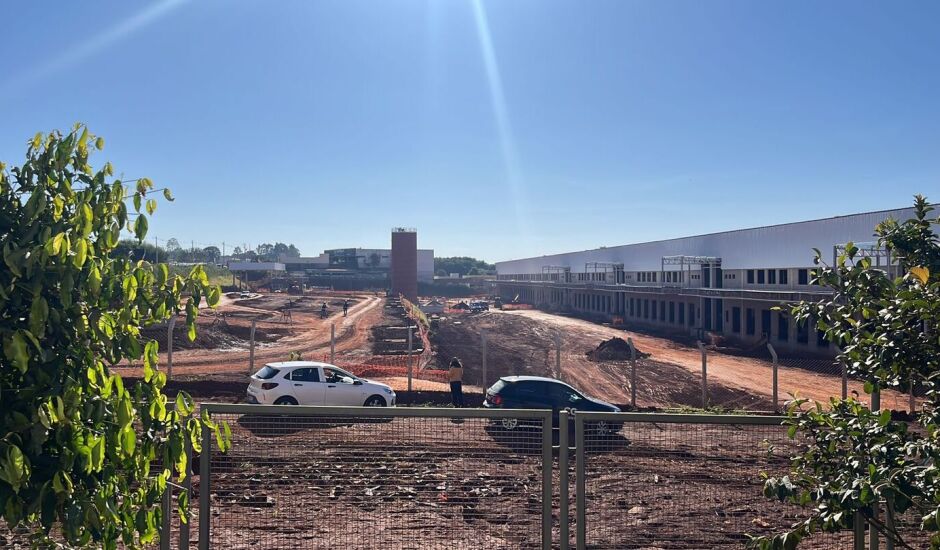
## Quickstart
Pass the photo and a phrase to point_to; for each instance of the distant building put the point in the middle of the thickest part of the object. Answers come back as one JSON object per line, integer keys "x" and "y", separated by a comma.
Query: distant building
{"x": 404, "y": 259}
{"x": 353, "y": 268}
{"x": 723, "y": 283}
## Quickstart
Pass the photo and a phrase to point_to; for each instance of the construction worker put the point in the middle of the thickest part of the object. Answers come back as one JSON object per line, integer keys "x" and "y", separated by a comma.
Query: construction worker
{"x": 455, "y": 375}
{"x": 323, "y": 310}
{"x": 345, "y": 307}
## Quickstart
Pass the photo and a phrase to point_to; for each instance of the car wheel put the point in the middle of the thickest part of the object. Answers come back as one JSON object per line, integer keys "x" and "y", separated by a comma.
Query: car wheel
{"x": 286, "y": 400}
{"x": 509, "y": 423}
{"x": 375, "y": 401}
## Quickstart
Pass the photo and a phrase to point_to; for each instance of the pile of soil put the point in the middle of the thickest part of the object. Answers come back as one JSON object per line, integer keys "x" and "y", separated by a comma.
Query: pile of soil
{"x": 615, "y": 349}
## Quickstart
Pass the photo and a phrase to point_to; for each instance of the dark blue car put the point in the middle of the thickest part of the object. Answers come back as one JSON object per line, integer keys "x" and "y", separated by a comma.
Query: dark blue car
{"x": 536, "y": 392}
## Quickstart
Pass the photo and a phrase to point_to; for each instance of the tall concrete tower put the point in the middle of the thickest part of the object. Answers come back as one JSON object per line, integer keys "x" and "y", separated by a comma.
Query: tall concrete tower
{"x": 405, "y": 262}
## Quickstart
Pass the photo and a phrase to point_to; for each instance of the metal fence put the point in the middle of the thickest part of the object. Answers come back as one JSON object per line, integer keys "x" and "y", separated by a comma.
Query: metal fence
{"x": 422, "y": 478}
{"x": 679, "y": 481}
{"x": 333, "y": 477}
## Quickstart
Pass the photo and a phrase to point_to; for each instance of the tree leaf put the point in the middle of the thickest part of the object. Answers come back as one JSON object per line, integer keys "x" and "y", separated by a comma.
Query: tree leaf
{"x": 81, "y": 253}
{"x": 167, "y": 195}
{"x": 140, "y": 227}
{"x": 16, "y": 350}
{"x": 38, "y": 313}
{"x": 922, "y": 274}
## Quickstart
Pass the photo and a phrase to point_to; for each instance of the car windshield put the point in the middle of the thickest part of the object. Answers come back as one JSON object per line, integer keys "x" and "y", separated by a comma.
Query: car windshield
{"x": 267, "y": 372}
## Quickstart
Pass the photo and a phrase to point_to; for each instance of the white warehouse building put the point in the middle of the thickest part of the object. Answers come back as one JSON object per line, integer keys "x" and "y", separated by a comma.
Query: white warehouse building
{"x": 723, "y": 283}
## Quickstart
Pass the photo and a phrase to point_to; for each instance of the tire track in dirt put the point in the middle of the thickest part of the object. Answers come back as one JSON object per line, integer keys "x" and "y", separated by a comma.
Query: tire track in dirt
{"x": 743, "y": 373}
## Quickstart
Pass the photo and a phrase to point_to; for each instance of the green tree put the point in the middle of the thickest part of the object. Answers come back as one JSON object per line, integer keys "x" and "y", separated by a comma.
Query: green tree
{"x": 887, "y": 329}
{"x": 134, "y": 250}
{"x": 463, "y": 265}
{"x": 211, "y": 254}
{"x": 80, "y": 451}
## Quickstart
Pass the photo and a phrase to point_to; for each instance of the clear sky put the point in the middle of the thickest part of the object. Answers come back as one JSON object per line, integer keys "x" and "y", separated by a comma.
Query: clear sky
{"x": 499, "y": 129}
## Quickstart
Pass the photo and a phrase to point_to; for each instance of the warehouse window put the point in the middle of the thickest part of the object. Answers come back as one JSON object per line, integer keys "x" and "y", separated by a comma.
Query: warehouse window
{"x": 672, "y": 312}
{"x": 760, "y": 276}
{"x": 802, "y": 276}
{"x": 662, "y": 310}
{"x": 646, "y": 309}
{"x": 681, "y": 313}
{"x": 765, "y": 320}
{"x": 802, "y": 332}
{"x": 750, "y": 276}
{"x": 654, "y": 310}
{"x": 654, "y": 276}
{"x": 771, "y": 277}
{"x": 691, "y": 314}
{"x": 783, "y": 276}
{"x": 783, "y": 327}
{"x": 749, "y": 322}
{"x": 736, "y": 320}
{"x": 821, "y": 339}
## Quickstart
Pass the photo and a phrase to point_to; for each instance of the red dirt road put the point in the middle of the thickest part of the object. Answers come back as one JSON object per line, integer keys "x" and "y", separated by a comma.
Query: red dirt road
{"x": 748, "y": 374}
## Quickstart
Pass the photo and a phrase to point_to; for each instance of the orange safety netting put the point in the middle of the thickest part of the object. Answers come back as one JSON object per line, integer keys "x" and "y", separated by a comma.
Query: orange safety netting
{"x": 384, "y": 365}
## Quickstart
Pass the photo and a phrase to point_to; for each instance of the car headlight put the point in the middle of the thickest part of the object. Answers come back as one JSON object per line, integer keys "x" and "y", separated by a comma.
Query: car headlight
{"x": 388, "y": 390}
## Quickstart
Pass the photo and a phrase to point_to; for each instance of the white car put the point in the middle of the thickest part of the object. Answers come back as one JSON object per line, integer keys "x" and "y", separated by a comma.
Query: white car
{"x": 313, "y": 383}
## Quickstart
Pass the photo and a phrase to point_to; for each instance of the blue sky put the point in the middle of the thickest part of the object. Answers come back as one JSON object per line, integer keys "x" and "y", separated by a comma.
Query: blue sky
{"x": 499, "y": 129}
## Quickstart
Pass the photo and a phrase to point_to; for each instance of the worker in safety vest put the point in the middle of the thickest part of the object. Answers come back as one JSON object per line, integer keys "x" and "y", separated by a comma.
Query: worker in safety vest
{"x": 455, "y": 375}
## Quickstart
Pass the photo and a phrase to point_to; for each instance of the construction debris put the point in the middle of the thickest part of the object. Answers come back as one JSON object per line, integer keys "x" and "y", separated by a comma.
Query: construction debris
{"x": 615, "y": 349}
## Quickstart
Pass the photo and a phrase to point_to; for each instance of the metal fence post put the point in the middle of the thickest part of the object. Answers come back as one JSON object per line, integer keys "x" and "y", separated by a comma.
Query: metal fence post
{"x": 188, "y": 487}
{"x": 547, "y": 481}
{"x": 579, "y": 468}
{"x": 165, "y": 513}
{"x": 873, "y": 539}
{"x": 563, "y": 480}
{"x": 409, "y": 356}
{"x": 773, "y": 354}
{"x": 205, "y": 515}
{"x": 251, "y": 348}
{"x": 632, "y": 373}
{"x": 701, "y": 347}
{"x": 858, "y": 532}
{"x": 483, "y": 352}
{"x": 169, "y": 348}
{"x": 558, "y": 356}
{"x": 332, "y": 343}
{"x": 845, "y": 376}
{"x": 912, "y": 401}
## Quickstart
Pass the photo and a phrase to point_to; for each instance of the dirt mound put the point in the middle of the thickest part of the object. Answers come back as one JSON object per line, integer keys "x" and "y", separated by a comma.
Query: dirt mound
{"x": 615, "y": 349}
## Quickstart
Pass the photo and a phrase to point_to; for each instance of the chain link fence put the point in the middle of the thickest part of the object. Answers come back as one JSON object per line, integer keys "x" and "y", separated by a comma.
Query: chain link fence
{"x": 319, "y": 477}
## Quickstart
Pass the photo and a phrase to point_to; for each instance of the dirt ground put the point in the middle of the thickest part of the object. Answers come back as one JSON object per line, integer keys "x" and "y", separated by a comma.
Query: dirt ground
{"x": 285, "y": 324}
{"x": 523, "y": 342}
{"x": 435, "y": 484}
